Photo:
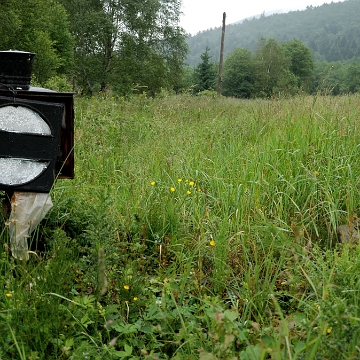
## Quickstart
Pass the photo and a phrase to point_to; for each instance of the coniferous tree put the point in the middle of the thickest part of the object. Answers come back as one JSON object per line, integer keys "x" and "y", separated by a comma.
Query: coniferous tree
{"x": 205, "y": 73}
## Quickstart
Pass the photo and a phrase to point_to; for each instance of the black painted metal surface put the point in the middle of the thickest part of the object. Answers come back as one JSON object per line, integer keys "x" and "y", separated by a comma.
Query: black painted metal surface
{"x": 55, "y": 108}
{"x": 15, "y": 68}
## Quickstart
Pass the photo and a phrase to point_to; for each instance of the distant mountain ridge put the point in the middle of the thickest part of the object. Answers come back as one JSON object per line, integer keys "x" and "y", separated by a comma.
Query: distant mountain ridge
{"x": 331, "y": 31}
{"x": 258, "y": 16}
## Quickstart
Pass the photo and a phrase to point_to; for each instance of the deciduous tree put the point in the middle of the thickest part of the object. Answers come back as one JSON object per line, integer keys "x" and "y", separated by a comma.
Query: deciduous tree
{"x": 239, "y": 74}
{"x": 38, "y": 26}
{"x": 301, "y": 63}
{"x": 353, "y": 77}
{"x": 127, "y": 43}
{"x": 272, "y": 70}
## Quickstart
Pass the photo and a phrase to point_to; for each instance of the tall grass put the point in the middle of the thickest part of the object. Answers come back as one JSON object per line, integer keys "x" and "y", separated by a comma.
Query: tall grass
{"x": 217, "y": 218}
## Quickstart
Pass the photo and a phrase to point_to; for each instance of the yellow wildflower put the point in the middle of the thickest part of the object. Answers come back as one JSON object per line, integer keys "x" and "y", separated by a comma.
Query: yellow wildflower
{"x": 191, "y": 183}
{"x": 188, "y": 192}
{"x": 212, "y": 243}
{"x": 8, "y": 294}
{"x": 153, "y": 183}
{"x": 136, "y": 299}
{"x": 328, "y": 330}
{"x": 126, "y": 287}
{"x": 179, "y": 180}
{"x": 172, "y": 189}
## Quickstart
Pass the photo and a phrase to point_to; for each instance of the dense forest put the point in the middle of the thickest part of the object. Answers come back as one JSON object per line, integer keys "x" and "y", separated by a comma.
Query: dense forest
{"x": 97, "y": 45}
{"x": 330, "y": 31}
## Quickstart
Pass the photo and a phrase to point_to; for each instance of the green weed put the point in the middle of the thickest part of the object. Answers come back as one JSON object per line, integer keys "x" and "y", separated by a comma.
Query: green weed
{"x": 195, "y": 228}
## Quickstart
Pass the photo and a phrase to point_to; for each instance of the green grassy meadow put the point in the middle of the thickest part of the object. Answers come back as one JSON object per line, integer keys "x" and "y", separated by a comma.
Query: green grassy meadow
{"x": 195, "y": 228}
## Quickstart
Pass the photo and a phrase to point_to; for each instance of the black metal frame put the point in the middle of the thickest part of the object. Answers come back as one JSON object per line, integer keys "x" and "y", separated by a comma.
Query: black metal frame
{"x": 65, "y": 162}
{"x": 56, "y": 108}
{"x": 40, "y": 148}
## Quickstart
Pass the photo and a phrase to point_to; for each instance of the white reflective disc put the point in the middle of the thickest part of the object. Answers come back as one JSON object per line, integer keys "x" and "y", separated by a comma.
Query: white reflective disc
{"x": 20, "y": 171}
{"x": 20, "y": 119}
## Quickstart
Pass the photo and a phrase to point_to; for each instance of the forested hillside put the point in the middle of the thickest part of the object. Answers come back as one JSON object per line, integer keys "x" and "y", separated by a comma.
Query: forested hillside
{"x": 127, "y": 47}
{"x": 331, "y": 31}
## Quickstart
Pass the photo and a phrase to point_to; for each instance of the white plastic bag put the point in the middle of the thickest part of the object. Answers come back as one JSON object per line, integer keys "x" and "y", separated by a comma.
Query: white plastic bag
{"x": 27, "y": 210}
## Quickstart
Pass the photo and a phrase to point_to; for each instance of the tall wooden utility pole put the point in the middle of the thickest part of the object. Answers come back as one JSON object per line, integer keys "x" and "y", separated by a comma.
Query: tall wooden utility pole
{"x": 221, "y": 55}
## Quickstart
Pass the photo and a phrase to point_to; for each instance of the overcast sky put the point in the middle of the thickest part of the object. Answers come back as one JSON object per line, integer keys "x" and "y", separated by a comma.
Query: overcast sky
{"x": 201, "y": 15}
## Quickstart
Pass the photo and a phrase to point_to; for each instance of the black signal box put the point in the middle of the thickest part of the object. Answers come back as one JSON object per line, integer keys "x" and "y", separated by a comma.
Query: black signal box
{"x": 36, "y": 129}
